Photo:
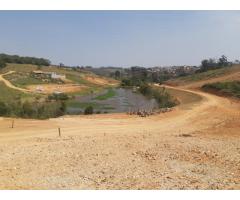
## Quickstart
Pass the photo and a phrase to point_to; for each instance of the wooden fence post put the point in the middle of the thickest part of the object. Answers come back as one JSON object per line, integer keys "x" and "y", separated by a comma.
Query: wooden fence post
{"x": 59, "y": 132}
{"x": 13, "y": 123}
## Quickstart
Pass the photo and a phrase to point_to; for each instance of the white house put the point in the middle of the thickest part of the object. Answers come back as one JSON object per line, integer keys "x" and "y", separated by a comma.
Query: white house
{"x": 54, "y": 75}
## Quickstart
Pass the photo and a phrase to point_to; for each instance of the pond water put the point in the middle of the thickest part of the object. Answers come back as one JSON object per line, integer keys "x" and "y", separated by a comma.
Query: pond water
{"x": 123, "y": 100}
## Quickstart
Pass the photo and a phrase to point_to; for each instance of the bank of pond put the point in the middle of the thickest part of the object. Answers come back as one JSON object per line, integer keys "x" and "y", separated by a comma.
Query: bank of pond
{"x": 110, "y": 100}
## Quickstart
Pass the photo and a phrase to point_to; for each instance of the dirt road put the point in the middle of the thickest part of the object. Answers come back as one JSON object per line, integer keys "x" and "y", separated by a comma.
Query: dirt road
{"x": 196, "y": 146}
{"x": 9, "y": 84}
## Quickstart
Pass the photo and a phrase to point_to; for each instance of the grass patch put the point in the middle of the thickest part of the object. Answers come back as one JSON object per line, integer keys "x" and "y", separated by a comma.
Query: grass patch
{"x": 8, "y": 94}
{"x": 109, "y": 94}
{"x": 22, "y": 79}
{"x": 77, "y": 79}
{"x": 231, "y": 88}
{"x": 204, "y": 75}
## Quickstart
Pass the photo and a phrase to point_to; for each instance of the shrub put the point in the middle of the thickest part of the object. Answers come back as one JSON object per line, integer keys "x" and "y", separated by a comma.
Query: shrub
{"x": 160, "y": 95}
{"x": 3, "y": 109}
{"x": 60, "y": 96}
{"x": 88, "y": 110}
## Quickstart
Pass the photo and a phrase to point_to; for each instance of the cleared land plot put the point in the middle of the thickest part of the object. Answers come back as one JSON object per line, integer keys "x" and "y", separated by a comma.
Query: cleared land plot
{"x": 51, "y": 88}
{"x": 118, "y": 151}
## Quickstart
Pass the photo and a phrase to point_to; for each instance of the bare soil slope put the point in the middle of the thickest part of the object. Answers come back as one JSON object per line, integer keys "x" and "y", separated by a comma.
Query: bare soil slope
{"x": 196, "y": 146}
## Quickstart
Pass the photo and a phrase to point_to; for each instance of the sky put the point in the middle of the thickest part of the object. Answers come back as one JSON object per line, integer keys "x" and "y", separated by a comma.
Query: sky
{"x": 121, "y": 38}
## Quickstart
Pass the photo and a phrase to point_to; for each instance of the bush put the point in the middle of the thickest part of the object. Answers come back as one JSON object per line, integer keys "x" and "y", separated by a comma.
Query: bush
{"x": 3, "y": 109}
{"x": 88, "y": 110}
{"x": 34, "y": 110}
{"x": 2, "y": 64}
{"x": 160, "y": 95}
{"x": 60, "y": 96}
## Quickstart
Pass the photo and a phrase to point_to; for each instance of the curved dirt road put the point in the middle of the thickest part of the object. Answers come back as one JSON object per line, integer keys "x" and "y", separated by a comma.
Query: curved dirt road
{"x": 196, "y": 146}
{"x": 9, "y": 84}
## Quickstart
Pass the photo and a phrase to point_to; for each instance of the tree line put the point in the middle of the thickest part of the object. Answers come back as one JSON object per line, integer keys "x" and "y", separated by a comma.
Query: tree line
{"x": 5, "y": 58}
{"x": 211, "y": 63}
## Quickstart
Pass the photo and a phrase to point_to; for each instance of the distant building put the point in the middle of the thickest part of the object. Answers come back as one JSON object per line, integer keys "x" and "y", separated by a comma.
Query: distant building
{"x": 52, "y": 75}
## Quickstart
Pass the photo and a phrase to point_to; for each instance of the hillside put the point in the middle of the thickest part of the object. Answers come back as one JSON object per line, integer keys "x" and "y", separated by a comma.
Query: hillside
{"x": 196, "y": 146}
{"x": 199, "y": 79}
{"x": 30, "y": 91}
{"x": 76, "y": 81}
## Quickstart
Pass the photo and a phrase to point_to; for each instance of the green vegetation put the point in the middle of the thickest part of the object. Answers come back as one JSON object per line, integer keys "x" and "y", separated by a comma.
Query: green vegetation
{"x": 4, "y": 58}
{"x": 210, "y": 64}
{"x": 58, "y": 97}
{"x": 88, "y": 110}
{"x": 37, "y": 110}
{"x": 2, "y": 64}
{"x": 109, "y": 94}
{"x": 22, "y": 79}
{"x": 163, "y": 98}
{"x": 77, "y": 78}
{"x": 8, "y": 94}
{"x": 14, "y": 103}
{"x": 205, "y": 75}
{"x": 231, "y": 88}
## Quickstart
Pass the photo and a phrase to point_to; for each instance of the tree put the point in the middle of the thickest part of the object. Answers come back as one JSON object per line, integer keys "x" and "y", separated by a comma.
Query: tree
{"x": 28, "y": 109}
{"x": 208, "y": 64}
{"x": 117, "y": 74}
{"x": 222, "y": 61}
{"x": 5, "y": 58}
{"x": 63, "y": 107}
{"x": 237, "y": 61}
{"x": 2, "y": 64}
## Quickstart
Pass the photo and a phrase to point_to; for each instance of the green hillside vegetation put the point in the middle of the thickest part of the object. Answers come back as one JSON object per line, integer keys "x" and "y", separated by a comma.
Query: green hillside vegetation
{"x": 22, "y": 76}
{"x": 8, "y": 94}
{"x": 21, "y": 79}
{"x": 231, "y": 88}
{"x": 204, "y": 75}
{"x": 5, "y": 58}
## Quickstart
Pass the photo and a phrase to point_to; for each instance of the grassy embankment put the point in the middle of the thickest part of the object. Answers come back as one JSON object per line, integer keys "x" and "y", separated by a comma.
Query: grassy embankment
{"x": 22, "y": 78}
{"x": 204, "y": 76}
{"x": 230, "y": 88}
{"x": 8, "y": 94}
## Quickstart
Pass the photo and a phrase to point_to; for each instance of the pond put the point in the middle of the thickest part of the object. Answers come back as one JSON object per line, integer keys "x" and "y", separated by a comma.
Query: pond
{"x": 114, "y": 100}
